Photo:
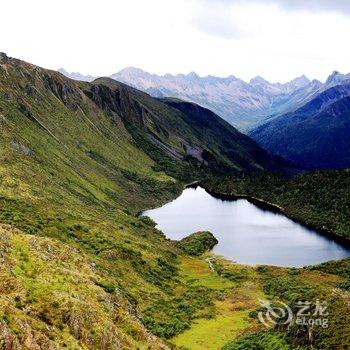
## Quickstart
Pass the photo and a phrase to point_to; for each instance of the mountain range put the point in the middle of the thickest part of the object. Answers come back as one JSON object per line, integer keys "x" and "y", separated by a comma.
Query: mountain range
{"x": 244, "y": 105}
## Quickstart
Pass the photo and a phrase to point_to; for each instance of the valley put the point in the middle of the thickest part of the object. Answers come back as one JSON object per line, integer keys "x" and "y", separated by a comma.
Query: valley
{"x": 175, "y": 175}
{"x": 80, "y": 269}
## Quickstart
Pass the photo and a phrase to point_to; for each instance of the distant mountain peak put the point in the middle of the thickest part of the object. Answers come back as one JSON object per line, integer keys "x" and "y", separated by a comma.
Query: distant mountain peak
{"x": 133, "y": 73}
{"x": 258, "y": 80}
{"x": 334, "y": 73}
{"x": 76, "y": 75}
{"x": 337, "y": 78}
{"x": 193, "y": 75}
{"x": 296, "y": 83}
{"x": 132, "y": 70}
{"x": 303, "y": 79}
{"x": 62, "y": 71}
{"x": 314, "y": 136}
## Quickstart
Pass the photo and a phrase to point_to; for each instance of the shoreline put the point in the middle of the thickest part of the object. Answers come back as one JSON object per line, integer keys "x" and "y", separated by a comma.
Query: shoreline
{"x": 189, "y": 185}
{"x": 262, "y": 204}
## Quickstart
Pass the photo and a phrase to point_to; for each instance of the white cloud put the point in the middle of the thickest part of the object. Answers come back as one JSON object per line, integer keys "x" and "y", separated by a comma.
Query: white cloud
{"x": 220, "y": 25}
{"x": 220, "y": 37}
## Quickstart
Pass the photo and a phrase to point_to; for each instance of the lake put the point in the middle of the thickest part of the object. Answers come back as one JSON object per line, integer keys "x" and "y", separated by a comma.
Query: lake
{"x": 246, "y": 233}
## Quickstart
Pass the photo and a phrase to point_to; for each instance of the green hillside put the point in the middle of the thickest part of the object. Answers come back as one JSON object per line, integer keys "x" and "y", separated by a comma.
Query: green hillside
{"x": 71, "y": 174}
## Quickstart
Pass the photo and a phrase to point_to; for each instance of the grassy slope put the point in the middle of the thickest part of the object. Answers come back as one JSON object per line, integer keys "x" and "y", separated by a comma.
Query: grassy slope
{"x": 70, "y": 173}
{"x": 232, "y": 144}
{"x": 52, "y": 297}
{"x": 235, "y": 299}
{"x": 238, "y": 291}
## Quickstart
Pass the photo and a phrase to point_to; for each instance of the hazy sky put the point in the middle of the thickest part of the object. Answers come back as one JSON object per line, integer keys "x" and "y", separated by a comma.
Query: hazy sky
{"x": 277, "y": 39}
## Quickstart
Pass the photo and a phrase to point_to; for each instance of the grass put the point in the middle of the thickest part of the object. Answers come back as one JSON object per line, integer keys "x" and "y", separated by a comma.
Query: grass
{"x": 71, "y": 178}
{"x": 259, "y": 341}
{"x": 213, "y": 333}
{"x": 233, "y": 303}
{"x": 238, "y": 291}
{"x": 197, "y": 272}
{"x": 54, "y": 289}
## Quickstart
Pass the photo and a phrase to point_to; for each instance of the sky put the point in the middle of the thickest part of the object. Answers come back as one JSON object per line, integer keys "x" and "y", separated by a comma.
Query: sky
{"x": 276, "y": 39}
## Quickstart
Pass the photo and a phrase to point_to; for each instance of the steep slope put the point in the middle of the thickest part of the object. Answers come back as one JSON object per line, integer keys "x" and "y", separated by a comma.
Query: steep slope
{"x": 316, "y": 135}
{"x": 235, "y": 146}
{"x": 70, "y": 172}
{"x": 53, "y": 298}
{"x": 70, "y": 177}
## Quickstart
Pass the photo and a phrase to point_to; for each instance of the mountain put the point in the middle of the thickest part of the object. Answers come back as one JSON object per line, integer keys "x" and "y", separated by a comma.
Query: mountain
{"x": 263, "y": 86}
{"x": 78, "y": 161}
{"x": 76, "y": 75}
{"x": 316, "y": 136}
{"x": 336, "y": 78}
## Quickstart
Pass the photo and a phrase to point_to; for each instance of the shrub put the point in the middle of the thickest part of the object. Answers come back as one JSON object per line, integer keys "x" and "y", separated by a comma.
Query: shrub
{"x": 197, "y": 243}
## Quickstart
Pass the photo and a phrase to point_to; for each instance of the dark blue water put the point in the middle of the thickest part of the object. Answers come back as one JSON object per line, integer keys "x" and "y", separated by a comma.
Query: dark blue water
{"x": 246, "y": 233}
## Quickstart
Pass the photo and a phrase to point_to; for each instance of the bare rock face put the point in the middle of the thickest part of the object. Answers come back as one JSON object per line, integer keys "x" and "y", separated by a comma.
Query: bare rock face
{"x": 22, "y": 148}
{"x": 3, "y": 57}
{"x": 67, "y": 93}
